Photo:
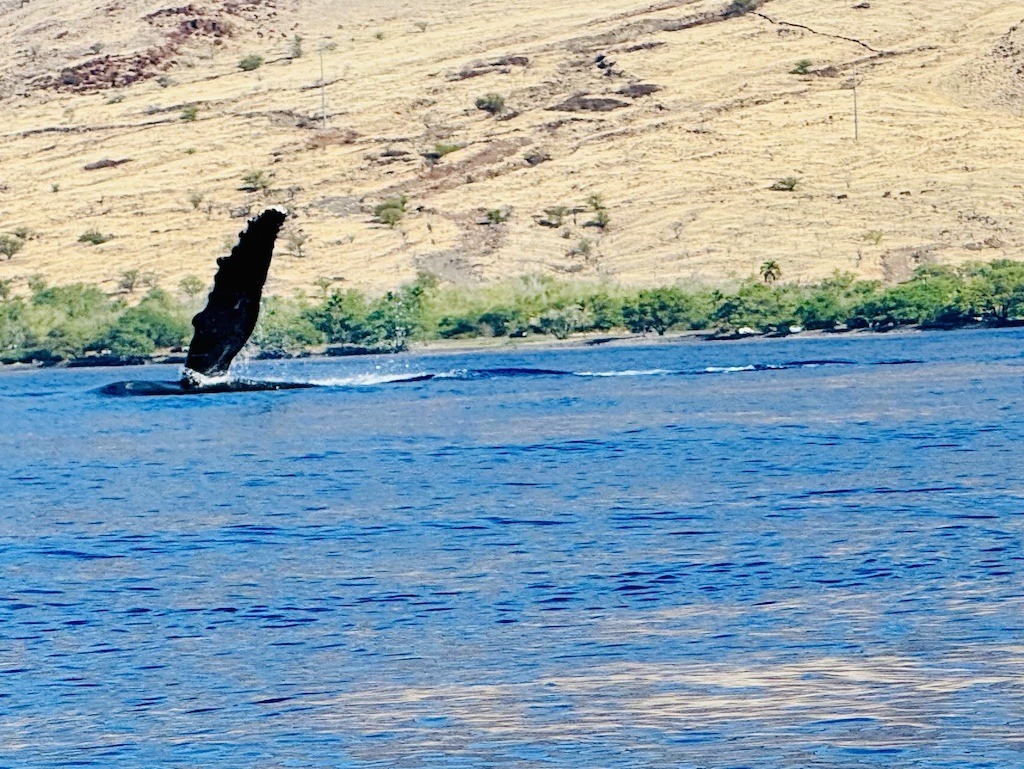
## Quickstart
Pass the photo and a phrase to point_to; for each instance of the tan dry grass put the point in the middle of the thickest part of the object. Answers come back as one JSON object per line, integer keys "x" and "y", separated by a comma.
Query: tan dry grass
{"x": 684, "y": 172}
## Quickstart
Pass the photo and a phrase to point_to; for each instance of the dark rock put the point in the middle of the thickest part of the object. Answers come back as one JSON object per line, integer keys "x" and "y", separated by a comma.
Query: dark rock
{"x": 636, "y": 90}
{"x": 500, "y": 66}
{"x": 590, "y": 104}
{"x": 106, "y": 163}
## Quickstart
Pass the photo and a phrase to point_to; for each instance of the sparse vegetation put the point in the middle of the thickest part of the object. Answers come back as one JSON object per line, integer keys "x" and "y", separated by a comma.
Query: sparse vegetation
{"x": 497, "y": 216}
{"x": 94, "y": 237}
{"x": 874, "y": 236}
{"x": 553, "y": 217}
{"x": 189, "y": 113}
{"x": 786, "y": 184}
{"x": 256, "y": 181}
{"x": 441, "y": 149}
{"x": 391, "y": 211}
{"x": 583, "y": 248}
{"x": 10, "y": 244}
{"x": 196, "y": 199}
{"x": 131, "y": 280}
{"x": 802, "y": 67}
{"x": 295, "y": 49}
{"x": 250, "y": 62}
{"x": 191, "y": 286}
{"x": 324, "y": 284}
{"x": 601, "y": 218}
{"x": 295, "y": 240}
{"x": 493, "y": 103}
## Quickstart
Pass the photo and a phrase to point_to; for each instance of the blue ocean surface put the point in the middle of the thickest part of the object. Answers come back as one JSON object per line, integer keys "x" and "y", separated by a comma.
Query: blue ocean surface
{"x": 797, "y": 553}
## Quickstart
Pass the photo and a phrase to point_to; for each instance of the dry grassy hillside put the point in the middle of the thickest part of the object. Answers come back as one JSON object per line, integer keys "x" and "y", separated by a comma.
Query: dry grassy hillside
{"x": 679, "y": 115}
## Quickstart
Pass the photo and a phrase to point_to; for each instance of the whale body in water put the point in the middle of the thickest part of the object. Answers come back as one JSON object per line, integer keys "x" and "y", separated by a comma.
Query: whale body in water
{"x": 224, "y": 326}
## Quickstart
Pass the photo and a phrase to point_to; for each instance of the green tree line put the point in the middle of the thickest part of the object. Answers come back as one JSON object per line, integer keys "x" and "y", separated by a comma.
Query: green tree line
{"x": 58, "y": 323}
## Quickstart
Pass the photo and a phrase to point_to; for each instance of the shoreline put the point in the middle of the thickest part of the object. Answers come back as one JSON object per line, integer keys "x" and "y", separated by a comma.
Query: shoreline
{"x": 480, "y": 344}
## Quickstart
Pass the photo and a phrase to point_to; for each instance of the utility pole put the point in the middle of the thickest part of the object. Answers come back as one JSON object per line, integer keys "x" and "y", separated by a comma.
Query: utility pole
{"x": 856, "y": 120}
{"x": 323, "y": 90}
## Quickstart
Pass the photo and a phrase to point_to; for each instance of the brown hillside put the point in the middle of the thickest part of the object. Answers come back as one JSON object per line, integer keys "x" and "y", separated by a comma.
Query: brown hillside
{"x": 679, "y": 115}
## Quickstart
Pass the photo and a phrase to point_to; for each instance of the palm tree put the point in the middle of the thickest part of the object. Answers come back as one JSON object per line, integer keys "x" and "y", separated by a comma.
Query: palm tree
{"x": 770, "y": 271}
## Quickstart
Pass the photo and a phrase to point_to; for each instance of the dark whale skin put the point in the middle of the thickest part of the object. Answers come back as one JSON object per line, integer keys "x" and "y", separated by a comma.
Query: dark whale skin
{"x": 149, "y": 388}
{"x": 226, "y": 323}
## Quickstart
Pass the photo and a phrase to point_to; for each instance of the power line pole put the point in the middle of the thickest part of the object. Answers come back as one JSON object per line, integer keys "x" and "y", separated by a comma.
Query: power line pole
{"x": 323, "y": 90}
{"x": 856, "y": 120}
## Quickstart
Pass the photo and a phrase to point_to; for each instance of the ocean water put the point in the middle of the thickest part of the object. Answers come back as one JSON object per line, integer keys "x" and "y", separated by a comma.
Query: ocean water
{"x": 788, "y": 553}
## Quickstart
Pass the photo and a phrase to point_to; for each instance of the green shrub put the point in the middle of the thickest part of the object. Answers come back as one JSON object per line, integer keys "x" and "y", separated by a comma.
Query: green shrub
{"x": 604, "y": 310}
{"x": 493, "y": 103}
{"x": 284, "y": 328}
{"x": 397, "y": 316}
{"x": 441, "y": 149}
{"x": 250, "y": 62}
{"x": 933, "y": 296}
{"x": 191, "y": 286}
{"x": 802, "y": 67}
{"x": 504, "y": 321}
{"x": 660, "y": 309}
{"x": 256, "y": 181}
{"x": 561, "y": 322}
{"x": 759, "y": 306}
{"x": 497, "y": 216}
{"x": 342, "y": 318}
{"x": 68, "y": 320}
{"x": 833, "y": 301}
{"x": 601, "y": 218}
{"x": 10, "y": 245}
{"x": 16, "y": 331}
{"x": 156, "y": 321}
{"x": 553, "y": 217}
{"x": 189, "y": 113}
{"x": 391, "y": 211}
{"x": 994, "y": 291}
{"x": 94, "y": 237}
{"x": 131, "y": 280}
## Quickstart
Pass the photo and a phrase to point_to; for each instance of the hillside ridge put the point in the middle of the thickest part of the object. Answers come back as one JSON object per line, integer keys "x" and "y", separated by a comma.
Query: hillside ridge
{"x": 640, "y": 143}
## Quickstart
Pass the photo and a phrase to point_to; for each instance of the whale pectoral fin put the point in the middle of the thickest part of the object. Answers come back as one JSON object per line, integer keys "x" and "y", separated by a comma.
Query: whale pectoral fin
{"x": 232, "y": 308}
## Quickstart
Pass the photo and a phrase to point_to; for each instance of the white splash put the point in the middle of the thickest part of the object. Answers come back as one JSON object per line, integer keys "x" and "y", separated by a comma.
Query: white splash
{"x": 627, "y": 372}
{"x": 199, "y": 381}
